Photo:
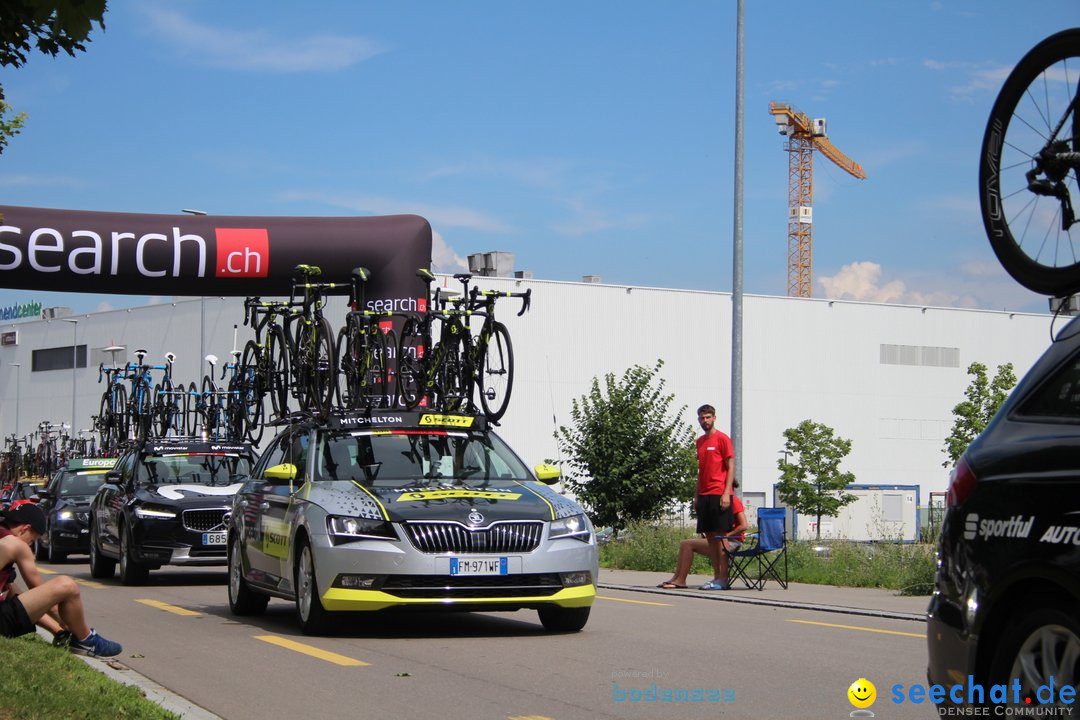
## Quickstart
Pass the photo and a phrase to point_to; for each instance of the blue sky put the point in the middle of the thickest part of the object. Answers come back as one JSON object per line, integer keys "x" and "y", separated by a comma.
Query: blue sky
{"x": 585, "y": 137}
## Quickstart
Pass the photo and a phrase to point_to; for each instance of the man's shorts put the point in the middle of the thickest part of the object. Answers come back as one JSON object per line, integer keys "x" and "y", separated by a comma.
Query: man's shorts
{"x": 710, "y": 517}
{"x": 13, "y": 618}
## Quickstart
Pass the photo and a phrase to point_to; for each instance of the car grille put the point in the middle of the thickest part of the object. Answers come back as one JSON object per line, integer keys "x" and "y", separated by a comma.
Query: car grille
{"x": 204, "y": 520}
{"x": 472, "y": 587}
{"x": 453, "y": 537}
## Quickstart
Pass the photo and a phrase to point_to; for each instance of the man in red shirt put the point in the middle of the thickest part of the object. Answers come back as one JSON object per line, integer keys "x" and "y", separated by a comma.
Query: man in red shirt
{"x": 716, "y": 464}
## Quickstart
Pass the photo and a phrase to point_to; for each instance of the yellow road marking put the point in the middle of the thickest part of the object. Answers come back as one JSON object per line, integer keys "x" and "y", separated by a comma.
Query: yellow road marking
{"x": 636, "y": 602}
{"x": 90, "y": 584}
{"x": 312, "y": 651}
{"x": 46, "y": 572}
{"x": 176, "y": 610}
{"x": 864, "y": 629}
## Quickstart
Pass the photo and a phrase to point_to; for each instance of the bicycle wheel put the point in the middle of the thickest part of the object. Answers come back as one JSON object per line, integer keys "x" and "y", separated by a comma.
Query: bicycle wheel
{"x": 348, "y": 365}
{"x": 277, "y": 370}
{"x": 167, "y": 411}
{"x": 196, "y": 408}
{"x": 410, "y": 365}
{"x": 317, "y": 368}
{"x": 495, "y": 374}
{"x": 1028, "y": 168}
{"x": 104, "y": 422}
{"x": 213, "y": 420}
{"x": 142, "y": 411}
{"x": 383, "y": 371}
{"x": 236, "y": 411}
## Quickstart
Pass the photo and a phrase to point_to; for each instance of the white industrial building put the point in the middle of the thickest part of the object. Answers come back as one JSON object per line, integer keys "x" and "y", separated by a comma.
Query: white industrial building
{"x": 884, "y": 376}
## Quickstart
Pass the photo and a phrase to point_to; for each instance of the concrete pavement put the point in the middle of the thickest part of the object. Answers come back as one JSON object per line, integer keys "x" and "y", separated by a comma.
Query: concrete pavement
{"x": 873, "y": 602}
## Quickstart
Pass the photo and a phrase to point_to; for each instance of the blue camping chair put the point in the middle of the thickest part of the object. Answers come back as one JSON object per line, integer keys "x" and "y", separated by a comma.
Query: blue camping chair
{"x": 768, "y": 547}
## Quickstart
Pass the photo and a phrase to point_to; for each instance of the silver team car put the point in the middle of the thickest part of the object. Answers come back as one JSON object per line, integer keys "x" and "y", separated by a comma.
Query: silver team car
{"x": 393, "y": 510}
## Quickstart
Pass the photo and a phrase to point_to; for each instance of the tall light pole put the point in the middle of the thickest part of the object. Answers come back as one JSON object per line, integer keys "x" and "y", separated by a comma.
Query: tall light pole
{"x": 16, "y": 366}
{"x": 74, "y": 364}
{"x": 202, "y": 307}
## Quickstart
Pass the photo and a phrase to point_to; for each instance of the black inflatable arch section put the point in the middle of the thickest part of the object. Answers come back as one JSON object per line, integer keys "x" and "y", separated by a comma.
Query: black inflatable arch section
{"x": 140, "y": 254}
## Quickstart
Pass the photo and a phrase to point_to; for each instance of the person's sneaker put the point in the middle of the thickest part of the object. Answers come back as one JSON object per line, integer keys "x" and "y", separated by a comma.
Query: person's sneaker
{"x": 95, "y": 646}
{"x": 62, "y": 639}
{"x": 716, "y": 585}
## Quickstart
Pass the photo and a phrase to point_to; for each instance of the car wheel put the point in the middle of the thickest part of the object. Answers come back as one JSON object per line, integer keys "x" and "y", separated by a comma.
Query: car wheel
{"x": 310, "y": 613}
{"x": 40, "y": 551}
{"x": 1041, "y": 642}
{"x": 132, "y": 572}
{"x": 54, "y": 555}
{"x": 242, "y": 599}
{"x": 101, "y": 567}
{"x": 560, "y": 619}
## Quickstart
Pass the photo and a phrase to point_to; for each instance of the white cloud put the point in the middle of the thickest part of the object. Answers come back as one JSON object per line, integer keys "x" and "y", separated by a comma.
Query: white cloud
{"x": 969, "y": 284}
{"x": 446, "y": 215}
{"x": 104, "y": 306}
{"x": 443, "y": 257}
{"x": 258, "y": 49}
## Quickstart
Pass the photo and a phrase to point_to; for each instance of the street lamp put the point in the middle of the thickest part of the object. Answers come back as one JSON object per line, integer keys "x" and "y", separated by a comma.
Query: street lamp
{"x": 202, "y": 305}
{"x": 16, "y": 366}
{"x": 74, "y": 364}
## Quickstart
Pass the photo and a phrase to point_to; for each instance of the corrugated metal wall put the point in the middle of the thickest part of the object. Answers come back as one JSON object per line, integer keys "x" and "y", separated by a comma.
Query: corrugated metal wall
{"x": 805, "y": 359}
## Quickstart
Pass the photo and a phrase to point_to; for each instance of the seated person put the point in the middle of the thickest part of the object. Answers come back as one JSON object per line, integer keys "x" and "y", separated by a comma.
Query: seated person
{"x": 731, "y": 540}
{"x": 55, "y": 603}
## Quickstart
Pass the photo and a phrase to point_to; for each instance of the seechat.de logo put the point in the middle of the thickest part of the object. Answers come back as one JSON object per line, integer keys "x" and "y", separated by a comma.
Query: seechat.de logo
{"x": 242, "y": 252}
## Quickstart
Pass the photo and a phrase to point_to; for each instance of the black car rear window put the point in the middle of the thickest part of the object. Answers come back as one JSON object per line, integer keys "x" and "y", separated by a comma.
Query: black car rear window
{"x": 1059, "y": 396}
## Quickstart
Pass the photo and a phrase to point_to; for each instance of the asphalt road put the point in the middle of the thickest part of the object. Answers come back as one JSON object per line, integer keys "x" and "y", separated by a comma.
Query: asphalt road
{"x": 770, "y": 662}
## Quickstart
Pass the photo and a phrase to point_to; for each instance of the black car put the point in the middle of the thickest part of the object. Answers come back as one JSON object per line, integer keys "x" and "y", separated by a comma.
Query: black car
{"x": 166, "y": 502}
{"x": 66, "y": 503}
{"x": 24, "y": 490}
{"x": 1005, "y": 605}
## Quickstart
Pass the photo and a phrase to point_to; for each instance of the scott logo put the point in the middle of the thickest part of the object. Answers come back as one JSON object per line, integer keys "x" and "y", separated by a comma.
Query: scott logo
{"x": 242, "y": 252}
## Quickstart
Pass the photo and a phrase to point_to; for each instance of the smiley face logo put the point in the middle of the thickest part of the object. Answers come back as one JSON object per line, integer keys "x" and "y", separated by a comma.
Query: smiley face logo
{"x": 862, "y": 693}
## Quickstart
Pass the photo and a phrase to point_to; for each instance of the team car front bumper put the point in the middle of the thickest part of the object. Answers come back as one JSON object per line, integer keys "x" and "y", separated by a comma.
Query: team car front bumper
{"x": 369, "y": 575}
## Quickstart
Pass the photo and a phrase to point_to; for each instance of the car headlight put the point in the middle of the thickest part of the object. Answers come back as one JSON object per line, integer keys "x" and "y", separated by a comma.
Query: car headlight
{"x": 154, "y": 513}
{"x": 343, "y": 528}
{"x": 65, "y": 515}
{"x": 575, "y": 526}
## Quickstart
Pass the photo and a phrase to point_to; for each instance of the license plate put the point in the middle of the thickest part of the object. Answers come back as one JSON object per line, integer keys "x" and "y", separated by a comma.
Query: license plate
{"x": 478, "y": 566}
{"x": 218, "y": 538}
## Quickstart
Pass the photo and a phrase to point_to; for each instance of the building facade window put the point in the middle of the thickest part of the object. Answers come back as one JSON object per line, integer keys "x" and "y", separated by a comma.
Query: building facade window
{"x": 58, "y": 358}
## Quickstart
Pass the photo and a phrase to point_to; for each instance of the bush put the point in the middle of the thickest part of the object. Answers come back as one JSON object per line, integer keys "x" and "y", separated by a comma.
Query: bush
{"x": 907, "y": 568}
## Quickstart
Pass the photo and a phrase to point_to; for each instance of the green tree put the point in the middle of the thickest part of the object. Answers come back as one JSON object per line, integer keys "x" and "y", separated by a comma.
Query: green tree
{"x": 628, "y": 456}
{"x": 812, "y": 483}
{"x": 50, "y": 26}
{"x": 983, "y": 397}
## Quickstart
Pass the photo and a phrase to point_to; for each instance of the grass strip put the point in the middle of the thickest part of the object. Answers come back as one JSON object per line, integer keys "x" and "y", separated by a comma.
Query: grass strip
{"x": 45, "y": 683}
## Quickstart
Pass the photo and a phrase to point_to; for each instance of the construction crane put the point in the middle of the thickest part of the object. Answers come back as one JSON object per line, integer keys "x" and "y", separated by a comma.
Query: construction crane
{"x": 804, "y": 136}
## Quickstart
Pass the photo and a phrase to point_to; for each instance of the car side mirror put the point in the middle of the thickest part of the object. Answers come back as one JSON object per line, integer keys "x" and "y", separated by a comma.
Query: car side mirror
{"x": 45, "y": 494}
{"x": 548, "y": 474}
{"x": 113, "y": 477}
{"x": 285, "y": 471}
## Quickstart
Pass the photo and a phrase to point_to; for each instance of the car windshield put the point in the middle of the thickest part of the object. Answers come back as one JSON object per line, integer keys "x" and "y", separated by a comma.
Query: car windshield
{"x": 402, "y": 458}
{"x": 194, "y": 468}
{"x": 75, "y": 483}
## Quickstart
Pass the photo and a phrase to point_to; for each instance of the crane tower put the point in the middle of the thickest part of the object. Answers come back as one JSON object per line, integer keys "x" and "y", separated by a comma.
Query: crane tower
{"x": 804, "y": 136}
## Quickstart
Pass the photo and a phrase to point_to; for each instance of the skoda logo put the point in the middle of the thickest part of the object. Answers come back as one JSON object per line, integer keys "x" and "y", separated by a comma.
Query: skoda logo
{"x": 475, "y": 518}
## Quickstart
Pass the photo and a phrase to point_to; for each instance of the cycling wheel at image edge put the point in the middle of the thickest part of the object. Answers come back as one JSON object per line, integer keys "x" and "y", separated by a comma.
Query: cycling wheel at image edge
{"x": 495, "y": 375}
{"x": 410, "y": 365}
{"x": 1024, "y": 227}
{"x": 141, "y": 417}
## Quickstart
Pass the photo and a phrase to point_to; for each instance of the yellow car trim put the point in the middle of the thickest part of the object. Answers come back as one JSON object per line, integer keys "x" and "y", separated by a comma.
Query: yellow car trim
{"x": 344, "y": 599}
{"x": 385, "y": 515}
{"x": 546, "y": 501}
{"x": 441, "y": 494}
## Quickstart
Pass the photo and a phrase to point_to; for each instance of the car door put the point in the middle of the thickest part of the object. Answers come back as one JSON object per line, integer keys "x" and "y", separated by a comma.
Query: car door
{"x": 109, "y": 504}
{"x": 262, "y": 504}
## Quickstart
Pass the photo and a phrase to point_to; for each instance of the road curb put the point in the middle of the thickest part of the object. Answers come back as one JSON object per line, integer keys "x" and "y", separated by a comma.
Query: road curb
{"x": 792, "y": 604}
{"x": 116, "y": 670}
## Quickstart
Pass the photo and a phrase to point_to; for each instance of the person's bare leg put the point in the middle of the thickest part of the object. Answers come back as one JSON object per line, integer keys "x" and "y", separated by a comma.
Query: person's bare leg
{"x": 62, "y": 591}
{"x": 716, "y": 558}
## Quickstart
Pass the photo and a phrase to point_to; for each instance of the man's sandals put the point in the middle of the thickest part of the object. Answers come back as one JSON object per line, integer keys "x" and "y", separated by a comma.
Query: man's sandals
{"x": 668, "y": 585}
